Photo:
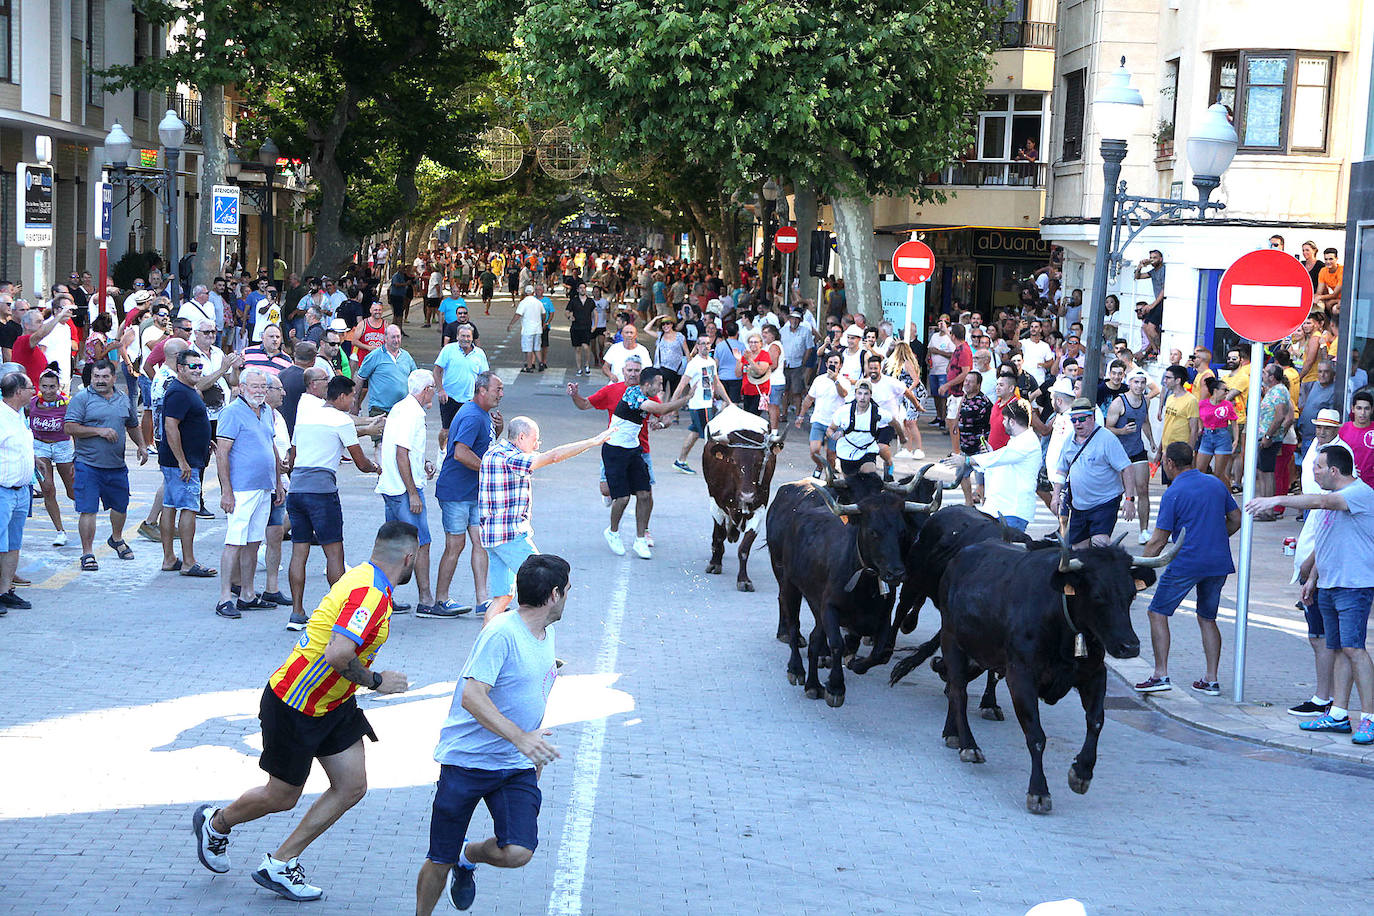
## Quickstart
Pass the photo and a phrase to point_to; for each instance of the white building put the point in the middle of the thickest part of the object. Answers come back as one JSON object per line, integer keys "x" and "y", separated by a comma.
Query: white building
{"x": 1293, "y": 78}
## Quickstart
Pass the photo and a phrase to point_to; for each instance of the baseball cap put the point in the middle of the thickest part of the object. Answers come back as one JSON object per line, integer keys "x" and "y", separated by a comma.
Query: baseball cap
{"x": 1138, "y": 373}
{"x": 338, "y": 324}
{"x": 853, "y": 331}
{"x": 1327, "y": 418}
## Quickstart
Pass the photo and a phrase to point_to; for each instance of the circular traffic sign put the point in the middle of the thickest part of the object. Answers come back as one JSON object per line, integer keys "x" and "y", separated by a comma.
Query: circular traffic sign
{"x": 1265, "y": 295}
{"x": 913, "y": 262}
{"x": 786, "y": 239}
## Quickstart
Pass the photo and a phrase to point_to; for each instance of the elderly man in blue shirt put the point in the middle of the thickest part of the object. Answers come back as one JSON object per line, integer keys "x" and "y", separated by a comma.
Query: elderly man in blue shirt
{"x": 383, "y": 376}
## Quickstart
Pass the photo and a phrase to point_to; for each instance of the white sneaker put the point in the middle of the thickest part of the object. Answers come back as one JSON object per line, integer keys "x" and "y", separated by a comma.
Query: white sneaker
{"x": 641, "y": 548}
{"x": 286, "y": 879}
{"x": 212, "y": 847}
{"x": 614, "y": 542}
{"x": 917, "y": 454}
{"x": 1144, "y": 537}
{"x": 59, "y": 539}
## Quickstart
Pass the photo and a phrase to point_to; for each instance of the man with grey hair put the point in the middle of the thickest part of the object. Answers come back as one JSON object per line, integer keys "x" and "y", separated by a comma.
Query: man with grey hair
{"x": 250, "y": 484}
{"x": 314, "y": 325}
{"x": 982, "y": 362}
{"x": 16, "y": 475}
{"x": 404, "y": 468}
{"x": 199, "y": 308}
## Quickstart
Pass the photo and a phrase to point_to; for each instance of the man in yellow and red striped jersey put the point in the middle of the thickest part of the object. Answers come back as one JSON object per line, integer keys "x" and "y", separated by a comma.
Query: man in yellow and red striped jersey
{"x": 308, "y": 712}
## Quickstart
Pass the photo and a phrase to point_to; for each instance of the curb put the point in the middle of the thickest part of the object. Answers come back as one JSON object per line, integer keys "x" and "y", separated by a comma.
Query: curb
{"x": 1251, "y": 724}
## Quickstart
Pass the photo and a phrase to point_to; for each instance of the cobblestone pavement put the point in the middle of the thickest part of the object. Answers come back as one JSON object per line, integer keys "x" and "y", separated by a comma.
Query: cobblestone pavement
{"x": 693, "y": 777}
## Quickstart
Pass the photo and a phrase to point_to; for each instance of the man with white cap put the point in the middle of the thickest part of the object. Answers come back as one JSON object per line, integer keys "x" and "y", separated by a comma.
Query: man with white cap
{"x": 852, "y": 357}
{"x": 332, "y": 357}
{"x": 1128, "y": 418}
{"x": 1096, "y": 472}
{"x": 1325, "y": 426}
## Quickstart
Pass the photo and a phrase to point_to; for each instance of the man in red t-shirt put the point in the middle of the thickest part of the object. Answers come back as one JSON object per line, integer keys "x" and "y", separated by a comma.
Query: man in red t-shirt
{"x": 370, "y": 334}
{"x": 27, "y": 350}
{"x": 959, "y": 364}
{"x": 605, "y": 398}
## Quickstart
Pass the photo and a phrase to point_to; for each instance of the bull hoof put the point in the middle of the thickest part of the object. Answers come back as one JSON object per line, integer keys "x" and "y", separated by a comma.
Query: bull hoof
{"x": 952, "y": 742}
{"x": 743, "y": 585}
{"x": 824, "y": 661}
{"x": 834, "y": 700}
{"x": 992, "y": 713}
{"x": 972, "y": 755}
{"x": 713, "y": 569}
{"x": 795, "y": 679}
{"x": 1078, "y": 783}
{"x": 1039, "y": 804}
{"x": 814, "y": 693}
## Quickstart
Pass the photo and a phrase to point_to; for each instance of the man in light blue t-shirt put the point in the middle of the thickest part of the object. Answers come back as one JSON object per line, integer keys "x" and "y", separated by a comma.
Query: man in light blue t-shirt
{"x": 491, "y": 747}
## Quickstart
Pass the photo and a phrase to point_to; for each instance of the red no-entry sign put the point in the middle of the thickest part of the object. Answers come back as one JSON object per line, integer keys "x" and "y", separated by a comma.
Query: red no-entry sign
{"x": 786, "y": 239}
{"x": 1265, "y": 295}
{"x": 913, "y": 262}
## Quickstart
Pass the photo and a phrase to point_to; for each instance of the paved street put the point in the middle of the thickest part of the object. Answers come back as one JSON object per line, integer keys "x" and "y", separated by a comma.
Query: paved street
{"x": 693, "y": 778}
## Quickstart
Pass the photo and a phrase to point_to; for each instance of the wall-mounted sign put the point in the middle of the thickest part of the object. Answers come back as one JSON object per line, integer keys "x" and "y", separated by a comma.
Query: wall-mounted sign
{"x": 35, "y": 205}
{"x": 1003, "y": 243}
{"x": 147, "y": 158}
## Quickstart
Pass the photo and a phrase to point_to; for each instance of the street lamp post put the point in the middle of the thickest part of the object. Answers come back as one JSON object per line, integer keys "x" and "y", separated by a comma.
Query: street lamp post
{"x": 171, "y": 132}
{"x": 770, "y": 205}
{"x": 267, "y": 158}
{"x": 1210, "y": 151}
{"x": 784, "y": 217}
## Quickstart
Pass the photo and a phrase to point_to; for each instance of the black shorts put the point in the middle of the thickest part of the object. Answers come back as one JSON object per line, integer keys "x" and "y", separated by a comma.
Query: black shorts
{"x": 598, "y": 332}
{"x": 796, "y": 379}
{"x": 292, "y": 741}
{"x": 512, "y": 798}
{"x": 316, "y": 518}
{"x": 626, "y": 472}
{"x": 581, "y": 337}
{"x": 853, "y": 465}
{"x": 544, "y": 338}
{"x": 1155, "y": 316}
{"x": 886, "y": 435}
{"x": 1042, "y": 481}
{"x": 432, "y": 303}
{"x": 487, "y": 293}
{"x": 1268, "y": 458}
{"x": 447, "y": 411}
{"x": 1139, "y": 457}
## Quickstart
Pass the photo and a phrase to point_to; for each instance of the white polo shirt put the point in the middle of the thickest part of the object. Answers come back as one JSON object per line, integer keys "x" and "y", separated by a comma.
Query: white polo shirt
{"x": 405, "y": 426}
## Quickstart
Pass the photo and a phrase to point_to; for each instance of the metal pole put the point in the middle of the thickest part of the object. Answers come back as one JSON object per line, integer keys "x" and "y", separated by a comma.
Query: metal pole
{"x": 169, "y": 189}
{"x": 1247, "y": 521}
{"x": 1113, "y": 153}
{"x": 269, "y": 239}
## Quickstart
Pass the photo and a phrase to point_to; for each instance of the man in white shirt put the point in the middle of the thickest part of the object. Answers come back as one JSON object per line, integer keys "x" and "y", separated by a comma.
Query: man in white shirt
{"x": 198, "y": 308}
{"x": 890, "y": 395}
{"x": 333, "y": 298}
{"x": 825, "y": 396}
{"x": 1012, "y": 472}
{"x": 16, "y": 475}
{"x": 852, "y": 364}
{"x": 1037, "y": 355}
{"x": 530, "y": 313}
{"x": 702, "y": 377}
{"x": 613, "y": 363}
{"x": 404, "y": 467}
{"x": 856, "y": 426}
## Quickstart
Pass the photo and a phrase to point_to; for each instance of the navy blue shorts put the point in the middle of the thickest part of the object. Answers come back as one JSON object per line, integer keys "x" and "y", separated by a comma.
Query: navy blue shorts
{"x": 1100, "y": 519}
{"x": 1171, "y": 591}
{"x": 316, "y": 518}
{"x": 1316, "y": 627}
{"x": 626, "y": 472}
{"x": 512, "y": 797}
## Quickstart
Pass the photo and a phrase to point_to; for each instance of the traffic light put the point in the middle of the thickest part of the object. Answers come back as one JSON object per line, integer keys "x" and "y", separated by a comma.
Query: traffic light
{"x": 822, "y": 243}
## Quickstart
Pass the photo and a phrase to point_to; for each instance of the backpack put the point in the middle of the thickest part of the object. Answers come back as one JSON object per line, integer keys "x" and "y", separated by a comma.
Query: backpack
{"x": 872, "y": 418}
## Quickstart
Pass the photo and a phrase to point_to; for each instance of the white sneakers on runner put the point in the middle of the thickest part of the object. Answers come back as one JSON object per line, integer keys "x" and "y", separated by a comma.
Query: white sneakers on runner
{"x": 641, "y": 549}
{"x": 614, "y": 542}
{"x": 287, "y": 879}
{"x": 212, "y": 847}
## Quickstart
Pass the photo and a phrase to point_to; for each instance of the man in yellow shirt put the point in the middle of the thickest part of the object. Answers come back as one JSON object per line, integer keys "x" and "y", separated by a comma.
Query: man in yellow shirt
{"x": 1181, "y": 422}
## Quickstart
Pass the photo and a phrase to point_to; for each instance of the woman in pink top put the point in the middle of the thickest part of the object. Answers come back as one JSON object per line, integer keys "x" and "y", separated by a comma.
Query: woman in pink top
{"x": 1359, "y": 435}
{"x": 52, "y": 446}
{"x": 1218, "y": 418}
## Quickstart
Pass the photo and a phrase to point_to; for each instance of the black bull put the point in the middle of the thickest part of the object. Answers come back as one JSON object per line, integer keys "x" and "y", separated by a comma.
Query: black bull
{"x": 1046, "y": 619}
{"x": 739, "y": 476}
{"x": 840, "y": 546}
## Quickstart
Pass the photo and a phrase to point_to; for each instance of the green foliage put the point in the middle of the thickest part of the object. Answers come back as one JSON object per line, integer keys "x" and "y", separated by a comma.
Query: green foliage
{"x": 133, "y": 266}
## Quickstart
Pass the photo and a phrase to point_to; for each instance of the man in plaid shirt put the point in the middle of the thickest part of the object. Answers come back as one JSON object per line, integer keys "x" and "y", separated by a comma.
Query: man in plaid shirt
{"x": 503, "y": 503}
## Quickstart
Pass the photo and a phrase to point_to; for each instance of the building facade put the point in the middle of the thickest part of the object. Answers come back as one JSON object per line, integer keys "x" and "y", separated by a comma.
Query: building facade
{"x": 1291, "y": 83}
{"x": 1358, "y": 293}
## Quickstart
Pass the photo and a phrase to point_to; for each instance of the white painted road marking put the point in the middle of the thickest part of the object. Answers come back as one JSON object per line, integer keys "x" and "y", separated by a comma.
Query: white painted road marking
{"x": 1268, "y": 296}
{"x": 571, "y": 874}
{"x": 919, "y": 263}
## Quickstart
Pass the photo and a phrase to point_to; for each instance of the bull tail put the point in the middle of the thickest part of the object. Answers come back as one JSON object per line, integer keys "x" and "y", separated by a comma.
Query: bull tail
{"x": 914, "y": 660}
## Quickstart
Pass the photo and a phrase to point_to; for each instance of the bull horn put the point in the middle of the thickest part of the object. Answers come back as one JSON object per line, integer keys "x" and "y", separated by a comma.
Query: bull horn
{"x": 1067, "y": 561}
{"x": 1165, "y": 557}
{"x": 839, "y": 509}
{"x": 965, "y": 468}
{"x": 915, "y": 507}
{"x": 910, "y": 486}
{"x": 829, "y": 475}
{"x": 1116, "y": 541}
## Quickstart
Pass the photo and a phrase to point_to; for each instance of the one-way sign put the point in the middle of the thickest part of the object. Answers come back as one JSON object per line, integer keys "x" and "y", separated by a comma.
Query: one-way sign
{"x": 226, "y": 209}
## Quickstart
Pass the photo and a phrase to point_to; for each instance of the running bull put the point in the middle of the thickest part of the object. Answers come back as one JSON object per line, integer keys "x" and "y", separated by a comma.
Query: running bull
{"x": 1045, "y": 618}
{"x": 739, "y": 478}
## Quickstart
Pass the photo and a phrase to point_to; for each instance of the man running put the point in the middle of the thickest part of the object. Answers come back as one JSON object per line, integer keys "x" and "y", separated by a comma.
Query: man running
{"x": 308, "y": 713}
{"x": 627, "y": 473}
{"x": 492, "y": 736}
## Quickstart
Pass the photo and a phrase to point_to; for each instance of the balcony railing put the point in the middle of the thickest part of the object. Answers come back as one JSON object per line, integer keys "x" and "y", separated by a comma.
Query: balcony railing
{"x": 1023, "y": 33}
{"x": 993, "y": 173}
{"x": 189, "y": 111}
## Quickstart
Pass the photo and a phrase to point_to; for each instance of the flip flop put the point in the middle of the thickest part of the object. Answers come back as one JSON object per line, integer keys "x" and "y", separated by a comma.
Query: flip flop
{"x": 173, "y": 568}
{"x": 121, "y": 548}
{"x": 88, "y": 563}
{"x": 199, "y": 572}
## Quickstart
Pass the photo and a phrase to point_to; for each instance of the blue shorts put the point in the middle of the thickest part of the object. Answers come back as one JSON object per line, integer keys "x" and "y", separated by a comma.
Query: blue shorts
{"x": 818, "y": 433}
{"x": 276, "y": 516}
{"x": 14, "y": 512}
{"x": 398, "y": 510}
{"x": 459, "y": 515}
{"x": 503, "y": 562}
{"x": 697, "y": 420}
{"x": 145, "y": 390}
{"x": 95, "y": 486}
{"x": 1215, "y": 442}
{"x": 776, "y": 394}
{"x": 178, "y": 493}
{"x": 316, "y": 518}
{"x": 936, "y": 382}
{"x": 1316, "y": 627}
{"x": 1100, "y": 519}
{"x": 512, "y": 797}
{"x": 1345, "y": 615}
{"x": 1171, "y": 591}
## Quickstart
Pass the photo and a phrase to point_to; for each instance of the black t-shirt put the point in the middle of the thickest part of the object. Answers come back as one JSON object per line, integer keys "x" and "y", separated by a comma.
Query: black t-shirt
{"x": 451, "y": 330}
{"x": 187, "y": 407}
{"x": 351, "y": 311}
{"x": 292, "y": 380}
{"x": 10, "y": 331}
{"x": 582, "y": 311}
{"x": 1106, "y": 393}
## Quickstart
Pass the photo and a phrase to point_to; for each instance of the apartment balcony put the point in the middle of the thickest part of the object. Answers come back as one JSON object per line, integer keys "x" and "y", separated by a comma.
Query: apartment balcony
{"x": 1024, "y": 33}
{"x": 985, "y": 173}
{"x": 189, "y": 111}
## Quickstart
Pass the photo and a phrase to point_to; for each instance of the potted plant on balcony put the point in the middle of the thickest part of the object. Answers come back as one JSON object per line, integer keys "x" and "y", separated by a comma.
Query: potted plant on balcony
{"x": 1164, "y": 140}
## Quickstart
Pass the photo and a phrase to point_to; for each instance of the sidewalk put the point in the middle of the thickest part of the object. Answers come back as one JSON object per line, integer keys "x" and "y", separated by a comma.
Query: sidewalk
{"x": 1279, "y": 666}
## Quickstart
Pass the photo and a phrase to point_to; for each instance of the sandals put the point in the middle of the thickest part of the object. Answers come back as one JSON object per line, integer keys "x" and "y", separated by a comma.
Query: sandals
{"x": 121, "y": 548}
{"x": 198, "y": 572}
{"x": 88, "y": 563}
{"x": 175, "y": 567}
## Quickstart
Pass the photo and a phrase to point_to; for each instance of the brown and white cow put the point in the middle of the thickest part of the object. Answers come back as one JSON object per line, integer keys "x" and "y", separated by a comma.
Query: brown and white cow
{"x": 739, "y": 476}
